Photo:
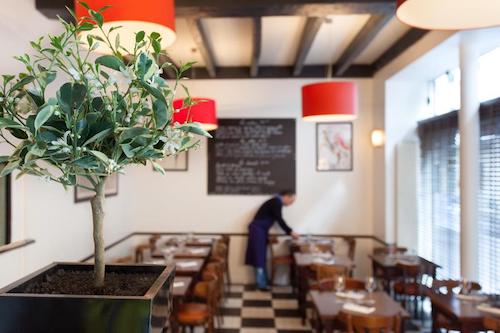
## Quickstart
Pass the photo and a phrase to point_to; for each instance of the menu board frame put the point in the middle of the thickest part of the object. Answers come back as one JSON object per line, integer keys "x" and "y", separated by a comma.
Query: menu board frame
{"x": 282, "y": 170}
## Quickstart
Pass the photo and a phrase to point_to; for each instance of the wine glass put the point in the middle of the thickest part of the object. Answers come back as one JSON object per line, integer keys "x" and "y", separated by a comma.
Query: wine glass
{"x": 465, "y": 286}
{"x": 340, "y": 284}
{"x": 190, "y": 236}
{"x": 332, "y": 247}
{"x": 370, "y": 284}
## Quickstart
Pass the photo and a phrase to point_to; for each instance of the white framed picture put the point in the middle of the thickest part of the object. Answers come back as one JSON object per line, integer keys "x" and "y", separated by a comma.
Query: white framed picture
{"x": 110, "y": 188}
{"x": 177, "y": 162}
{"x": 334, "y": 147}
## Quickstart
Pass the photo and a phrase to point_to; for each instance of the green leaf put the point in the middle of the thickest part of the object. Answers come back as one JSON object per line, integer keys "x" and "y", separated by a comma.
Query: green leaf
{"x": 4, "y": 159}
{"x": 110, "y": 61}
{"x": 161, "y": 113}
{"x": 21, "y": 83}
{"x": 195, "y": 128}
{"x": 97, "y": 17}
{"x": 139, "y": 37}
{"x": 158, "y": 168}
{"x": 43, "y": 115}
{"x": 87, "y": 162}
{"x": 100, "y": 156}
{"x": 9, "y": 123}
{"x": 86, "y": 26}
{"x": 131, "y": 133}
{"x": 48, "y": 77}
{"x": 98, "y": 137}
{"x": 154, "y": 91}
{"x": 127, "y": 150}
{"x": 11, "y": 166}
{"x": 18, "y": 133}
{"x": 156, "y": 46}
{"x": 37, "y": 151}
{"x": 71, "y": 97}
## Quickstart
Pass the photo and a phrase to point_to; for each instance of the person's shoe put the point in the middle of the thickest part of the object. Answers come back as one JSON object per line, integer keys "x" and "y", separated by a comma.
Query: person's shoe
{"x": 264, "y": 289}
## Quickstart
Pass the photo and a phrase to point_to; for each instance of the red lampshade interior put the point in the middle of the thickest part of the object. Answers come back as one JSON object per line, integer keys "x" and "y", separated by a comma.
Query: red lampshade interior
{"x": 203, "y": 112}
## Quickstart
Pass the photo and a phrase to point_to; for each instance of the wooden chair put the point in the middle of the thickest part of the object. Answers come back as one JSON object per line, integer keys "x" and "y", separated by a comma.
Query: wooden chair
{"x": 389, "y": 249}
{"x": 219, "y": 255}
{"x": 351, "y": 246}
{"x": 226, "y": 239}
{"x": 200, "y": 314}
{"x": 306, "y": 248}
{"x": 140, "y": 255}
{"x": 123, "y": 260}
{"x": 492, "y": 324}
{"x": 329, "y": 285}
{"x": 371, "y": 323}
{"x": 439, "y": 320}
{"x": 281, "y": 260}
{"x": 323, "y": 271}
{"x": 410, "y": 284}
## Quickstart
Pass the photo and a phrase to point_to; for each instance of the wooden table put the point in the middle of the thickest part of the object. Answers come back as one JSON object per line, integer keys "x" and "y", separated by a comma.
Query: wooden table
{"x": 328, "y": 307}
{"x": 181, "y": 291}
{"x": 385, "y": 266}
{"x": 186, "y": 253}
{"x": 303, "y": 262}
{"x": 463, "y": 312}
{"x": 191, "y": 270}
{"x": 207, "y": 241}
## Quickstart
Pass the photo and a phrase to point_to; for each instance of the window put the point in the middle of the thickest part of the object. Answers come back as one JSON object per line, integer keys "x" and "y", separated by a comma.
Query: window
{"x": 444, "y": 95}
{"x": 489, "y": 75}
{"x": 439, "y": 195}
{"x": 4, "y": 209}
{"x": 489, "y": 197}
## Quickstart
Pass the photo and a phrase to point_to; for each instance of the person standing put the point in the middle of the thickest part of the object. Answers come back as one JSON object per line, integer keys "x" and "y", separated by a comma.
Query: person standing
{"x": 258, "y": 232}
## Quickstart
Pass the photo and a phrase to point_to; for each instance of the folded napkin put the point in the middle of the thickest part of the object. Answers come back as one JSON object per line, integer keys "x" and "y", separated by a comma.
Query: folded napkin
{"x": 204, "y": 240}
{"x": 487, "y": 308}
{"x": 472, "y": 298}
{"x": 197, "y": 250}
{"x": 186, "y": 264}
{"x": 358, "y": 308}
{"x": 178, "y": 284}
{"x": 351, "y": 295}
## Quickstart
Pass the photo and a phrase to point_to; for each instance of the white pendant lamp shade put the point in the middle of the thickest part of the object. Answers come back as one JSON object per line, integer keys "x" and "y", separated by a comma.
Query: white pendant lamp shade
{"x": 449, "y": 14}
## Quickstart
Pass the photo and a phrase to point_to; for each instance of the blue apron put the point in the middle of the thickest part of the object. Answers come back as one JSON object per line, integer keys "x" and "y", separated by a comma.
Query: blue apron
{"x": 257, "y": 243}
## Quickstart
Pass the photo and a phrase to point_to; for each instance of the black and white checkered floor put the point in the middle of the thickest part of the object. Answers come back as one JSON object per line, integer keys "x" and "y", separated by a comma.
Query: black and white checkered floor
{"x": 249, "y": 311}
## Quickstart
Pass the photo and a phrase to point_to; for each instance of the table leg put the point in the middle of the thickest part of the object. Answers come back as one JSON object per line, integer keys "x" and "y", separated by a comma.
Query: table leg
{"x": 301, "y": 292}
{"x": 328, "y": 326}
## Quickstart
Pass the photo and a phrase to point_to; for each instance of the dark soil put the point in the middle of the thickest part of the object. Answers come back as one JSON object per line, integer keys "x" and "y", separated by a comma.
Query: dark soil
{"x": 74, "y": 282}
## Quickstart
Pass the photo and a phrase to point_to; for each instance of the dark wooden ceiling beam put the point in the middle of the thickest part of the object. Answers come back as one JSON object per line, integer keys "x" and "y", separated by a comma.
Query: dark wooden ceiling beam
{"x": 277, "y": 72}
{"x": 311, "y": 29}
{"x": 200, "y": 38}
{"x": 371, "y": 28}
{"x": 249, "y": 8}
{"x": 406, "y": 41}
{"x": 257, "y": 45}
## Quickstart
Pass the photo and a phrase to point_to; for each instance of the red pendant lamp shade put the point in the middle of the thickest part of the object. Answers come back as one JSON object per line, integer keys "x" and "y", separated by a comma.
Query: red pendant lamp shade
{"x": 133, "y": 16}
{"x": 204, "y": 112}
{"x": 449, "y": 14}
{"x": 329, "y": 101}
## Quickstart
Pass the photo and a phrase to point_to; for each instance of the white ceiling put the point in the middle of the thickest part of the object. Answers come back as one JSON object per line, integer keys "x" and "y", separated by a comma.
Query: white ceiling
{"x": 231, "y": 40}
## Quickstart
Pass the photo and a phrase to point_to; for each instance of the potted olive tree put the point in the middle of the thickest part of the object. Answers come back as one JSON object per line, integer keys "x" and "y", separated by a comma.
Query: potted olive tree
{"x": 109, "y": 111}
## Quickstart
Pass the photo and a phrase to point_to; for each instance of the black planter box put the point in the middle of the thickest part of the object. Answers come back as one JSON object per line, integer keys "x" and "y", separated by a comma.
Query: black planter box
{"x": 40, "y": 313}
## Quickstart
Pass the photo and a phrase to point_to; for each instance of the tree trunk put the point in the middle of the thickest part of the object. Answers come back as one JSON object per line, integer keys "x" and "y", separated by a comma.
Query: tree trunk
{"x": 97, "y": 204}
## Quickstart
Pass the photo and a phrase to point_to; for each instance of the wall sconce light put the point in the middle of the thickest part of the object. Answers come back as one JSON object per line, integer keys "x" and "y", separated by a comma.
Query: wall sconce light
{"x": 378, "y": 138}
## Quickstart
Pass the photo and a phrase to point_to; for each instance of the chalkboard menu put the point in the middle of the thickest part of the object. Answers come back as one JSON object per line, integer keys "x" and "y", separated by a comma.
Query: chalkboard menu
{"x": 252, "y": 156}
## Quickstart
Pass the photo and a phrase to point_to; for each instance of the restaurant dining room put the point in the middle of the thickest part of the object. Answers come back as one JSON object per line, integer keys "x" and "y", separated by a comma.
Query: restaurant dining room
{"x": 249, "y": 166}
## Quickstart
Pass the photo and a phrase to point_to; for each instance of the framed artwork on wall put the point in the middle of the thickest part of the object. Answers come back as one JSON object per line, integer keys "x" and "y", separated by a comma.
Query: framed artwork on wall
{"x": 177, "y": 162}
{"x": 5, "y": 195}
{"x": 334, "y": 147}
{"x": 111, "y": 188}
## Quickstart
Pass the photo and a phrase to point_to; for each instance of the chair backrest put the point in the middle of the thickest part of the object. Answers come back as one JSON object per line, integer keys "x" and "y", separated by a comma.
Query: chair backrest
{"x": 372, "y": 323}
{"x": 207, "y": 290}
{"x": 153, "y": 240}
{"x": 306, "y": 248}
{"x": 140, "y": 252}
{"x": 350, "y": 284}
{"x": 351, "y": 246}
{"x": 411, "y": 272}
{"x": 492, "y": 323}
{"x": 439, "y": 286}
{"x": 390, "y": 250}
{"x": 324, "y": 272}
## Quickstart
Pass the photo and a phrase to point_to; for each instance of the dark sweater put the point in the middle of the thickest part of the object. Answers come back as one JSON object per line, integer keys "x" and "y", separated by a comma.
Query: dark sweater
{"x": 271, "y": 210}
